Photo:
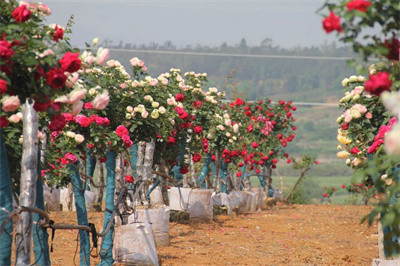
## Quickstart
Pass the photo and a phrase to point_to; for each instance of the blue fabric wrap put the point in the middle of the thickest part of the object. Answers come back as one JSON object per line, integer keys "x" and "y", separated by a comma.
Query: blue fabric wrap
{"x": 107, "y": 244}
{"x": 81, "y": 213}
{"x": 5, "y": 202}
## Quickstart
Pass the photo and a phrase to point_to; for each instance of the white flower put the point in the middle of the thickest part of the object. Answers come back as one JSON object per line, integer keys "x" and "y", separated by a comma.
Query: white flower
{"x": 235, "y": 128}
{"x": 361, "y": 79}
{"x": 145, "y": 114}
{"x": 79, "y": 138}
{"x": 95, "y": 41}
{"x": 213, "y": 90}
{"x": 353, "y": 79}
{"x": 140, "y": 108}
{"x": 70, "y": 134}
{"x": 129, "y": 109}
{"x": 392, "y": 141}
{"x": 155, "y": 104}
{"x": 128, "y": 116}
{"x": 155, "y": 114}
{"x": 228, "y": 134}
{"x": 161, "y": 110}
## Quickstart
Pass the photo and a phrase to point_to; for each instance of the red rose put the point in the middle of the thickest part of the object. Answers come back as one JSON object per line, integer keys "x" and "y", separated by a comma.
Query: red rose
{"x": 127, "y": 141}
{"x": 197, "y": 104}
{"x": 257, "y": 171}
{"x": 289, "y": 160}
{"x": 184, "y": 170}
{"x": 58, "y": 34}
{"x": 316, "y": 162}
{"x": 250, "y": 128}
{"x": 240, "y": 164}
{"x": 378, "y": 83}
{"x": 394, "y": 49}
{"x": 198, "y": 130}
{"x": 238, "y": 101}
{"x": 70, "y": 62}
{"x": 325, "y": 195}
{"x": 354, "y": 150}
{"x": 102, "y": 160}
{"x": 196, "y": 157}
{"x": 332, "y": 23}
{"x": 238, "y": 174}
{"x": 289, "y": 114}
{"x": 248, "y": 113}
{"x": 121, "y": 131}
{"x": 182, "y": 113}
{"x": 213, "y": 158}
{"x": 129, "y": 178}
{"x": 83, "y": 121}
{"x": 359, "y": 5}
{"x": 57, "y": 123}
{"x": 343, "y": 186}
{"x": 294, "y": 108}
{"x": 5, "y": 50}
{"x": 90, "y": 145}
{"x": 21, "y": 13}
{"x": 4, "y": 121}
{"x": 274, "y": 160}
{"x": 3, "y": 86}
{"x": 171, "y": 140}
{"x": 56, "y": 78}
{"x": 254, "y": 145}
{"x": 180, "y": 97}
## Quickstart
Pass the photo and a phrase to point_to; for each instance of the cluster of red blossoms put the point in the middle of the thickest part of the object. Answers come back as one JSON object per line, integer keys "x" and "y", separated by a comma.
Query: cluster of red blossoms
{"x": 123, "y": 133}
{"x": 378, "y": 140}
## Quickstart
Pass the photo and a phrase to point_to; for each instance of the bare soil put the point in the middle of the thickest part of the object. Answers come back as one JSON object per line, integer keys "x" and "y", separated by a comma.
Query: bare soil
{"x": 298, "y": 234}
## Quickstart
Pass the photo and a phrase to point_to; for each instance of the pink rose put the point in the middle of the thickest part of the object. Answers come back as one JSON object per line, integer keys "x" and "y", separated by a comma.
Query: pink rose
{"x": 153, "y": 82}
{"x": 71, "y": 157}
{"x": 347, "y": 116}
{"x": 76, "y": 95}
{"x": 72, "y": 79}
{"x": 121, "y": 131}
{"x": 46, "y": 53}
{"x": 101, "y": 101}
{"x": 102, "y": 56}
{"x": 141, "y": 63}
{"x": 134, "y": 61}
{"x": 358, "y": 90}
{"x": 14, "y": 118}
{"x": 10, "y": 103}
{"x": 123, "y": 85}
{"x": 44, "y": 9}
{"x": 361, "y": 108}
{"x": 368, "y": 115}
{"x": 76, "y": 108}
{"x": 171, "y": 101}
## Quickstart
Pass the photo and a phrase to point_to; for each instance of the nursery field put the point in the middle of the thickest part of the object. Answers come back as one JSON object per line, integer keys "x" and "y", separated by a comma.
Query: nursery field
{"x": 312, "y": 234}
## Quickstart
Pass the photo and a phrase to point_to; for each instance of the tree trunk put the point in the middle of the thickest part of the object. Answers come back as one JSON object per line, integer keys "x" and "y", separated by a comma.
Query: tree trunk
{"x": 90, "y": 166}
{"x": 28, "y": 182}
{"x": 5, "y": 202}
{"x": 40, "y": 235}
{"x": 107, "y": 244}
{"x": 81, "y": 213}
{"x": 204, "y": 171}
{"x": 101, "y": 184}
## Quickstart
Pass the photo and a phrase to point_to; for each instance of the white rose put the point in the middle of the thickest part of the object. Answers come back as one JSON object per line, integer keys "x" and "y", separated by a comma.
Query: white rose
{"x": 353, "y": 79}
{"x": 129, "y": 109}
{"x": 79, "y": 138}
{"x": 345, "y": 82}
{"x": 128, "y": 116}
{"x": 155, "y": 104}
{"x": 70, "y": 134}
{"x": 161, "y": 110}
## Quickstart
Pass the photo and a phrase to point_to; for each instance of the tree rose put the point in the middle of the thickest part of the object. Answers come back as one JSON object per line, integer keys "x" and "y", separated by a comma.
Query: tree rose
{"x": 5, "y": 50}
{"x": 57, "y": 123}
{"x": 102, "y": 56}
{"x": 56, "y": 78}
{"x": 101, "y": 101}
{"x": 10, "y": 103}
{"x": 21, "y": 13}
{"x": 359, "y": 5}
{"x": 332, "y": 23}
{"x": 3, "y": 86}
{"x": 378, "y": 83}
{"x": 70, "y": 62}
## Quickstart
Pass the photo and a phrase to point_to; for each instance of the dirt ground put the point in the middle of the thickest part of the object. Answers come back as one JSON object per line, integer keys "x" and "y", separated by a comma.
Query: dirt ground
{"x": 309, "y": 234}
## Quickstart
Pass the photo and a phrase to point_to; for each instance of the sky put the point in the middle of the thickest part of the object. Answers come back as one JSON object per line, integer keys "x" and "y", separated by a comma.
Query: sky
{"x": 288, "y": 23}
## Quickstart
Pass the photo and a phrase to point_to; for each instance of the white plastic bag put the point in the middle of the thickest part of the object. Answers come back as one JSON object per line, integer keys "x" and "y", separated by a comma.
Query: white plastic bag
{"x": 159, "y": 220}
{"x": 156, "y": 197}
{"x": 224, "y": 199}
{"x": 51, "y": 198}
{"x": 134, "y": 244}
{"x": 197, "y": 202}
{"x": 65, "y": 200}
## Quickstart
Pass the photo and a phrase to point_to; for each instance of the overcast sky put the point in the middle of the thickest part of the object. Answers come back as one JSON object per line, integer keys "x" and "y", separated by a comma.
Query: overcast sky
{"x": 211, "y": 22}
